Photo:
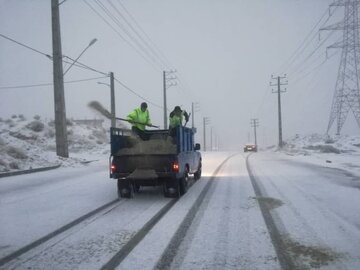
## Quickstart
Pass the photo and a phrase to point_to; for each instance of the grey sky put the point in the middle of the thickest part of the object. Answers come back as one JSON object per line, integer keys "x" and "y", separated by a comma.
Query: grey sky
{"x": 224, "y": 52}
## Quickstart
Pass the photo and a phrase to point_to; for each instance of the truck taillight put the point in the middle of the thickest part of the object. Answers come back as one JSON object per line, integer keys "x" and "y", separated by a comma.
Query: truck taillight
{"x": 113, "y": 168}
{"x": 175, "y": 167}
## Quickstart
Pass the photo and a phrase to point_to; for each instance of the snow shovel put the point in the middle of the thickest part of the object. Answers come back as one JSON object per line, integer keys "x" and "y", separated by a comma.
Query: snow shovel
{"x": 99, "y": 108}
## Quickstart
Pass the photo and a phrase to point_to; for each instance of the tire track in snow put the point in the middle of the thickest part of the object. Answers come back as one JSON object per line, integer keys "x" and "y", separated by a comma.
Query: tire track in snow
{"x": 279, "y": 244}
{"x": 57, "y": 232}
{"x": 169, "y": 255}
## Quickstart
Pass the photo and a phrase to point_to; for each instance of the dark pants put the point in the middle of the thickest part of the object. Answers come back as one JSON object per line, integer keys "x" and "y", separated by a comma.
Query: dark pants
{"x": 141, "y": 133}
{"x": 172, "y": 132}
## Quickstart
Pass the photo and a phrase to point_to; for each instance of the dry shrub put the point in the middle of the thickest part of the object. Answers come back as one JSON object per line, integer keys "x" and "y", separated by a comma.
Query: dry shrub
{"x": 22, "y": 117}
{"x": 323, "y": 148}
{"x": 16, "y": 152}
{"x": 36, "y": 126}
{"x": 50, "y": 133}
{"x": 37, "y": 117}
{"x": 14, "y": 165}
{"x": 100, "y": 135}
{"x": 23, "y": 137}
{"x": 69, "y": 122}
{"x": 9, "y": 122}
{"x": 2, "y": 163}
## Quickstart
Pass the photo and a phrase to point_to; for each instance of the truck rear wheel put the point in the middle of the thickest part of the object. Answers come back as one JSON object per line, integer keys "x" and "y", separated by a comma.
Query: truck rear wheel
{"x": 124, "y": 188}
{"x": 171, "y": 188}
{"x": 197, "y": 174}
{"x": 184, "y": 182}
{"x": 136, "y": 188}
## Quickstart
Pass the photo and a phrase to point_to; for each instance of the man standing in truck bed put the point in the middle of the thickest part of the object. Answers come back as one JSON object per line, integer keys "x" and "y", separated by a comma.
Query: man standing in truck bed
{"x": 140, "y": 118}
{"x": 176, "y": 119}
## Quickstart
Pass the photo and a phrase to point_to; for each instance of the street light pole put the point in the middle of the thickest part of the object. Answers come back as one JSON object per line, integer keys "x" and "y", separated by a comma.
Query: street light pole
{"x": 206, "y": 121}
{"x": 87, "y": 47}
{"x": 112, "y": 98}
{"x": 58, "y": 77}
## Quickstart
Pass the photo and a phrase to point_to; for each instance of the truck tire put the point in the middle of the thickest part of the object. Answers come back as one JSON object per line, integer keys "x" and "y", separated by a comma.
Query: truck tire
{"x": 197, "y": 174}
{"x": 171, "y": 188}
{"x": 136, "y": 188}
{"x": 124, "y": 188}
{"x": 183, "y": 183}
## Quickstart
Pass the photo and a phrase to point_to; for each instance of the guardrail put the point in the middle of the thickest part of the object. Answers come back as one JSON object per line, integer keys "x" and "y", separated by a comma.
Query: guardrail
{"x": 6, "y": 174}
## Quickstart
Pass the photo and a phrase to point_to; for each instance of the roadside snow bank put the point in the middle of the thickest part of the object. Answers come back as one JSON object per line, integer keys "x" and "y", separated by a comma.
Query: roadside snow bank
{"x": 27, "y": 144}
{"x": 340, "y": 151}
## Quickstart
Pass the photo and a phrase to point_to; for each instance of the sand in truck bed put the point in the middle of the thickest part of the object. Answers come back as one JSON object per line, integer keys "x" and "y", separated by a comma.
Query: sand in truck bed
{"x": 154, "y": 146}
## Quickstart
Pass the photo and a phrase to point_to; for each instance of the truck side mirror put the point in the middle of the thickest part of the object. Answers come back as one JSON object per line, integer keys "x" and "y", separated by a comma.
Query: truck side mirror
{"x": 197, "y": 146}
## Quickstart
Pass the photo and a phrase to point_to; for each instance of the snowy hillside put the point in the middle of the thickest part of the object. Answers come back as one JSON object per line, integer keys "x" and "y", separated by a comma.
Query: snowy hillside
{"x": 30, "y": 143}
{"x": 341, "y": 152}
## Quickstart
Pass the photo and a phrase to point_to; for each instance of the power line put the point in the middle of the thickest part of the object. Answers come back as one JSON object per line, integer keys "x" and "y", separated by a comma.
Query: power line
{"x": 118, "y": 23}
{"x": 83, "y": 66}
{"x": 26, "y": 46}
{"x": 150, "y": 43}
{"x": 306, "y": 42}
{"x": 120, "y": 35}
{"x": 157, "y": 58}
{"x": 312, "y": 53}
{"x": 314, "y": 69}
{"x": 136, "y": 94}
{"x": 48, "y": 84}
{"x": 78, "y": 64}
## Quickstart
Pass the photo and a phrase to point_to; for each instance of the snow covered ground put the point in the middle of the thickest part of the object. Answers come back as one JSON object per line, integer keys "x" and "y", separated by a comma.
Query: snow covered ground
{"x": 310, "y": 188}
{"x": 340, "y": 152}
{"x": 30, "y": 143}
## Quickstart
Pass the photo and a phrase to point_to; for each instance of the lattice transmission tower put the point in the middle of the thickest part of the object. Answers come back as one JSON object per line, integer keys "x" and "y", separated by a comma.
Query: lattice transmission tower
{"x": 347, "y": 94}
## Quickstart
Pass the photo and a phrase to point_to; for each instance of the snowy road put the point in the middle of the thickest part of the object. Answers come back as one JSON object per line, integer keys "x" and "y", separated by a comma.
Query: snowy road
{"x": 285, "y": 214}
{"x": 315, "y": 210}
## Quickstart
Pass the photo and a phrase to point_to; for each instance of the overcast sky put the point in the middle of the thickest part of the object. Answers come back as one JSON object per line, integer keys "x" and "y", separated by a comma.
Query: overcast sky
{"x": 224, "y": 52}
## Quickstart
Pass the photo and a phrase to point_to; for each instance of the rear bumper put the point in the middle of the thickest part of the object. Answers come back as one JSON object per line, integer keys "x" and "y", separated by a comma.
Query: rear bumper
{"x": 131, "y": 176}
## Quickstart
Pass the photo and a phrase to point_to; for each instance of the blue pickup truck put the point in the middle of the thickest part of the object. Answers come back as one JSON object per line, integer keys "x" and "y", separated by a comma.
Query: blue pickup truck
{"x": 161, "y": 160}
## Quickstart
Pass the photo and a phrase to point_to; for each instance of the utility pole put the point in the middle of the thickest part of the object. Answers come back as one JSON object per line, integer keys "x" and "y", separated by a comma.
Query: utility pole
{"x": 211, "y": 138}
{"x": 167, "y": 83}
{"x": 194, "y": 108}
{"x": 347, "y": 88}
{"x": 165, "y": 105}
{"x": 255, "y": 124}
{"x": 112, "y": 100}
{"x": 279, "y": 91}
{"x": 206, "y": 121}
{"x": 59, "y": 96}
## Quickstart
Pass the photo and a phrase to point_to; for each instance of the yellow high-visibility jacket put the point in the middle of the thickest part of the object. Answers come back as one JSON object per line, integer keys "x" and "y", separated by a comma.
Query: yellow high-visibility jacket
{"x": 177, "y": 119}
{"x": 141, "y": 118}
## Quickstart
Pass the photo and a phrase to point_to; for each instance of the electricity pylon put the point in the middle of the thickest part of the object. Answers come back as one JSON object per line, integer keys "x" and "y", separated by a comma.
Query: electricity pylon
{"x": 347, "y": 94}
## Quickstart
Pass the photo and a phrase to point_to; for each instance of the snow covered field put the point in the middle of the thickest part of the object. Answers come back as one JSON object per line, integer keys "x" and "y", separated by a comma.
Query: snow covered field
{"x": 30, "y": 143}
{"x": 341, "y": 152}
{"x": 304, "y": 214}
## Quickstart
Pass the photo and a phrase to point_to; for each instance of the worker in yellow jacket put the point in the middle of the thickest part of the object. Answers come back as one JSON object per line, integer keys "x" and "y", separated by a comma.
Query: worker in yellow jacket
{"x": 176, "y": 119}
{"x": 140, "y": 118}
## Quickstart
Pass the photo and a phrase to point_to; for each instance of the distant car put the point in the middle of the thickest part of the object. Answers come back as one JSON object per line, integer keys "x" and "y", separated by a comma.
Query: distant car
{"x": 250, "y": 147}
